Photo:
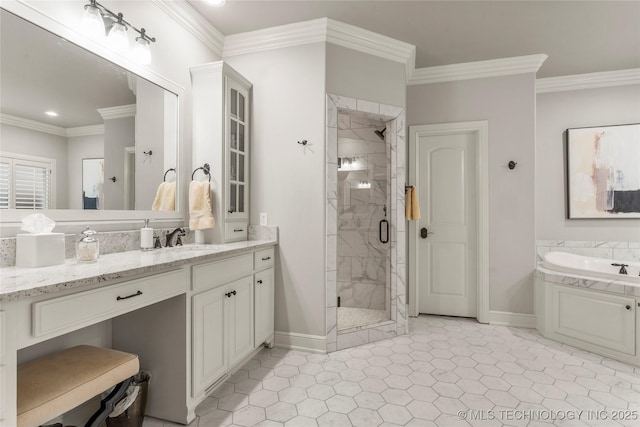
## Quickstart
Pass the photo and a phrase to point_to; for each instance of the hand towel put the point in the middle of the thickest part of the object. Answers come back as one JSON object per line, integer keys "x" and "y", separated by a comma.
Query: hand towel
{"x": 200, "y": 213}
{"x": 412, "y": 206}
{"x": 165, "y": 197}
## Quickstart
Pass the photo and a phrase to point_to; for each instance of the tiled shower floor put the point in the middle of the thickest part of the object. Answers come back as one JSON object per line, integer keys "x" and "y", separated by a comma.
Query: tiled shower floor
{"x": 434, "y": 376}
{"x": 349, "y": 317}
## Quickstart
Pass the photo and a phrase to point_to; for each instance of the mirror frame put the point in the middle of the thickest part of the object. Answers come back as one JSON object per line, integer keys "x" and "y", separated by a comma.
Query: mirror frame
{"x": 71, "y": 217}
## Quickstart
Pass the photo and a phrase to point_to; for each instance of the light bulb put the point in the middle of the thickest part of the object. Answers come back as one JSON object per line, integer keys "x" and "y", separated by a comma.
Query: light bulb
{"x": 141, "y": 52}
{"x": 216, "y": 3}
{"x": 118, "y": 39}
{"x": 92, "y": 24}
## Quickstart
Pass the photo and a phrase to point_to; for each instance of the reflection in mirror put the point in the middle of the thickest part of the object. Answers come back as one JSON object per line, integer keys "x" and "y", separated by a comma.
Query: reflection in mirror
{"x": 92, "y": 183}
{"x": 73, "y": 109}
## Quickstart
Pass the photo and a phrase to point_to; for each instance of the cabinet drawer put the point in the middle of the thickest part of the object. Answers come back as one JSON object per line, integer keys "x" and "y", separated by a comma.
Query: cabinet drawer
{"x": 264, "y": 258}
{"x": 65, "y": 314}
{"x": 235, "y": 231}
{"x": 213, "y": 274}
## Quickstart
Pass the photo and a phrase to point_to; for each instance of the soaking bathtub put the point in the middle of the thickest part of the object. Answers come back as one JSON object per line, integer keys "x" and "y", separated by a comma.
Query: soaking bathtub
{"x": 592, "y": 267}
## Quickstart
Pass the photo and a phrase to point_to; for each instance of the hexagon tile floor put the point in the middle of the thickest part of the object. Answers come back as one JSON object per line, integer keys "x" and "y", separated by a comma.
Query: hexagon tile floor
{"x": 446, "y": 372}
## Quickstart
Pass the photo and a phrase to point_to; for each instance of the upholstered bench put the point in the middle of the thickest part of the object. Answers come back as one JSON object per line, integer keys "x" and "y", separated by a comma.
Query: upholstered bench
{"x": 52, "y": 385}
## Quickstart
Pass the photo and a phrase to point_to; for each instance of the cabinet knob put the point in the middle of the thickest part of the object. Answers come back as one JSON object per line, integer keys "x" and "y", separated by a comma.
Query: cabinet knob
{"x": 233, "y": 292}
{"x": 260, "y": 281}
{"x": 228, "y": 294}
{"x": 231, "y": 211}
{"x": 628, "y": 307}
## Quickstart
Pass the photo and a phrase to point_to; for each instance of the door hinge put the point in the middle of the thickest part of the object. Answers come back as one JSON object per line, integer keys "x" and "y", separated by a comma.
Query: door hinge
{"x": 338, "y": 301}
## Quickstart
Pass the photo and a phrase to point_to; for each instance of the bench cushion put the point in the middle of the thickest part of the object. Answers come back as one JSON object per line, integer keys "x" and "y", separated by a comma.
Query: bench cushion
{"x": 52, "y": 385}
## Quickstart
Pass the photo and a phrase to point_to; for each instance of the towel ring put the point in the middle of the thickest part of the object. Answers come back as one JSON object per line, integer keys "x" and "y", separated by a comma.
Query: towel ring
{"x": 164, "y": 178}
{"x": 205, "y": 168}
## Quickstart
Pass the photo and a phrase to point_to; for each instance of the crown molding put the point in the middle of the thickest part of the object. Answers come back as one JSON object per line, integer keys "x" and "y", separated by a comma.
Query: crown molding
{"x": 296, "y": 34}
{"x": 317, "y": 31}
{"x": 119, "y": 112}
{"x": 589, "y": 81}
{"x": 7, "y": 119}
{"x": 85, "y": 131}
{"x": 375, "y": 44}
{"x": 191, "y": 20}
{"x": 478, "y": 69}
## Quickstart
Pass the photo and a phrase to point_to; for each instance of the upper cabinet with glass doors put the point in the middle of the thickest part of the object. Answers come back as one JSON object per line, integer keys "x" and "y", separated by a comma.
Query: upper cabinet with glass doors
{"x": 221, "y": 109}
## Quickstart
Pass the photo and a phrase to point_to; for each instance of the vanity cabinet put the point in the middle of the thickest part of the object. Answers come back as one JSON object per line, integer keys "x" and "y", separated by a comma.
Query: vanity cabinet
{"x": 222, "y": 331}
{"x": 221, "y": 136}
{"x": 264, "y": 297}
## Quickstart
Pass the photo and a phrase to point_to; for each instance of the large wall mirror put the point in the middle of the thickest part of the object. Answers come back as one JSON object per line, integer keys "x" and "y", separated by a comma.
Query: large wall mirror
{"x": 62, "y": 105}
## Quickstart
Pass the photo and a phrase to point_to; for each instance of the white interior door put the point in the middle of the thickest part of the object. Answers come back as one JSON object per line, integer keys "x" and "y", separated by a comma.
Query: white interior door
{"x": 447, "y": 256}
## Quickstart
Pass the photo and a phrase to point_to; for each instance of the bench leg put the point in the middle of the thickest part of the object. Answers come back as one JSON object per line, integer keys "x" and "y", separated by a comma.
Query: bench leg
{"x": 107, "y": 404}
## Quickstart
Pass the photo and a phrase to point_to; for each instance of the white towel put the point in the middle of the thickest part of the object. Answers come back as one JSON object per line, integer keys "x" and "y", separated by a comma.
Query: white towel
{"x": 165, "y": 197}
{"x": 200, "y": 213}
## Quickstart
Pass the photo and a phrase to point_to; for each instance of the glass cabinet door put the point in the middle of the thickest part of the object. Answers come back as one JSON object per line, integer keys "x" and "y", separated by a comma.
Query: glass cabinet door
{"x": 238, "y": 145}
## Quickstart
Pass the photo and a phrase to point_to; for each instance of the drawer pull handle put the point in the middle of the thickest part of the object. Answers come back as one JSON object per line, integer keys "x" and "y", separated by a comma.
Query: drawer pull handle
{"x": 260, "y": 281}
{"x": 266, "y": 259}
{"x": 237, "y": 230}
{"x": 628, "y": 307}
{"x": 119, "y": 298}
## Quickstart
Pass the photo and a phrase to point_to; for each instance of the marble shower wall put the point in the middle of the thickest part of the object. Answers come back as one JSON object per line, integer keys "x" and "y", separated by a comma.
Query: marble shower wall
{"x": 363, "y": 261}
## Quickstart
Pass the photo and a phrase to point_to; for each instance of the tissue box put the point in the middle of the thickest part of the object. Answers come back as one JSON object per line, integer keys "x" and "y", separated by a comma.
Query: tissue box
{"x": 39, "y": 250}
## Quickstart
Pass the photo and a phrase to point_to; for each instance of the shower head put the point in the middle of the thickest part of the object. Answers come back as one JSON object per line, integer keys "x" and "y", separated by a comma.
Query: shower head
{"x": 381, "y": 133}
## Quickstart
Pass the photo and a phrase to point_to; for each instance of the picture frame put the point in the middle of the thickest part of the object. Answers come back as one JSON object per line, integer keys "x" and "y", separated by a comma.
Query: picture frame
{"x": 603, "y": 172}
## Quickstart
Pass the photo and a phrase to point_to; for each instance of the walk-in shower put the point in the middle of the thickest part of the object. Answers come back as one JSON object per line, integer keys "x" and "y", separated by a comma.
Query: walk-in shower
{"x": 363, "y": 221}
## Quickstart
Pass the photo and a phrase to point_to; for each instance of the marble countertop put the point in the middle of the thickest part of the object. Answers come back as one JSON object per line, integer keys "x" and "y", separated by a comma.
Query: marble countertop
{"x": 20, "y": 282}
{"x": 614, "y": 286}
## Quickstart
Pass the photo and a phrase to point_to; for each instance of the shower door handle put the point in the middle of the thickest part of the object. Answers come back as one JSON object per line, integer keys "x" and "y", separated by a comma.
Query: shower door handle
{"x": 383, "y": 224}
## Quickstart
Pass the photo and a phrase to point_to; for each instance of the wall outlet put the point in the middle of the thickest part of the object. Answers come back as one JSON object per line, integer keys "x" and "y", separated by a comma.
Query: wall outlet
{"x": 263, "y": 218}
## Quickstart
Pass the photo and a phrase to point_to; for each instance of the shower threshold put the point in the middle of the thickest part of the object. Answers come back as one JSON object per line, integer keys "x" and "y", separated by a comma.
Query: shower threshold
{"x": 350, "y": 317}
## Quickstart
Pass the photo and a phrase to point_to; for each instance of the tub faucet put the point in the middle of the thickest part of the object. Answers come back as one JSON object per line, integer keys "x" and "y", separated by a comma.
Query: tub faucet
{"x": 170, "y": 235}
{"x": 623, "y": 269}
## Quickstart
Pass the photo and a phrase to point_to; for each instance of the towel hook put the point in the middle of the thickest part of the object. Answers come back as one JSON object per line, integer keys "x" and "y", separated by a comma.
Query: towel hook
{"x": 113, "y": 178}
{"x": 164, "y": 178}
{"x": 205, "y": 168}
{"x": 303, "y": 142}
{"x": 148, "y": 153}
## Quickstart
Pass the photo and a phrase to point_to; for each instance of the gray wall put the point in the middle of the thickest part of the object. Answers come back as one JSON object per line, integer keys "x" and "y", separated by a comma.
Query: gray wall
{"x": 361, "y": 76}
{"x": 556, "y": 112}
{"x": 508, "y": 103}
{"x": 287, "y": 179}
{"x": 19, "y": 140}
{"x": 78, "y": 148}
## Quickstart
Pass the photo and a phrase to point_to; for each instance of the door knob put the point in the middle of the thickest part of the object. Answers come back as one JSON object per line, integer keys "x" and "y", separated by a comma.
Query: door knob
{"x": 424, "y": 232}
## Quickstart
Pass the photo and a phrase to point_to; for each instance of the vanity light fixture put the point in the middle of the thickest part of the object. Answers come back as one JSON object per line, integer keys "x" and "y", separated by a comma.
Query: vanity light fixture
{"x": 216, "y": 3}
{"x": 97, "y": 19}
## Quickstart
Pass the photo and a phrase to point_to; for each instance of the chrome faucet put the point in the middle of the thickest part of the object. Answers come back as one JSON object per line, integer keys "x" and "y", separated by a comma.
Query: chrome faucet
{"x": 170, "y": 235}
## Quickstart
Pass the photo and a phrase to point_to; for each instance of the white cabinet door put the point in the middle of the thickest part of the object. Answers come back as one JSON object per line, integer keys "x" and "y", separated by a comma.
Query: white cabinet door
{"x": 597, "y": 318}
{"x": 239, "y": 319}
{"x": 208, "y": 338}
{"x": 264, "y": 303}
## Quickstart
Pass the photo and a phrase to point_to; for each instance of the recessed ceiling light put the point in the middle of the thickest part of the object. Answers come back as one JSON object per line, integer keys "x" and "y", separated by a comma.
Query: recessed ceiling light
{"x": 216, "y": 3}
{"x": 51, "y": 113}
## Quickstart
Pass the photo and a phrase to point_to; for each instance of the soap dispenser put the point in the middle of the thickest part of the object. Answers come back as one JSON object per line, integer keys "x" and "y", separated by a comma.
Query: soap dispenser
{"x": 146, "y": 237}
{"x": 88, "y": 246}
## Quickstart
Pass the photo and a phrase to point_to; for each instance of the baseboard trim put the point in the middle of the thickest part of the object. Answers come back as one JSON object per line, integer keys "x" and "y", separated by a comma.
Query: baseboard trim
{"x": 506, "y": 318}
{"x": 302, "y": 342}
